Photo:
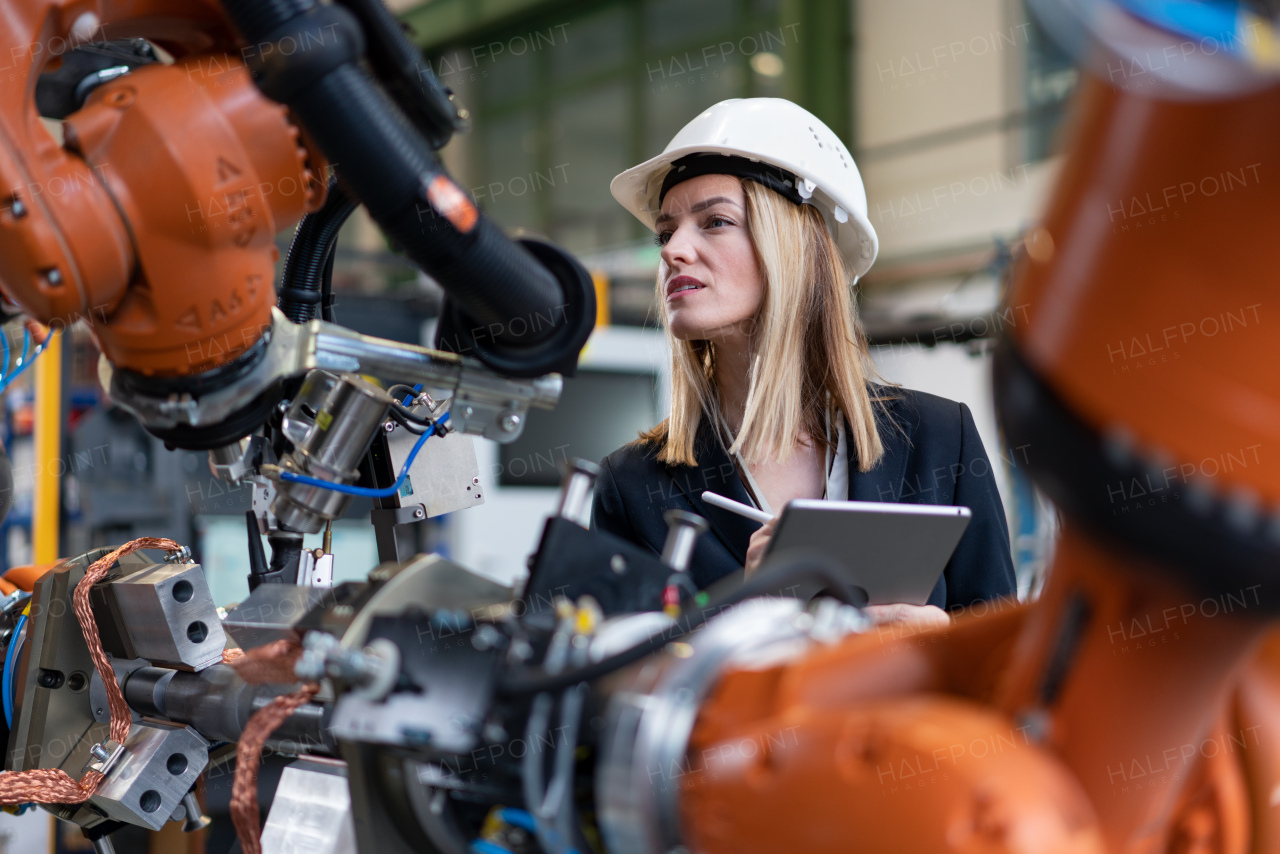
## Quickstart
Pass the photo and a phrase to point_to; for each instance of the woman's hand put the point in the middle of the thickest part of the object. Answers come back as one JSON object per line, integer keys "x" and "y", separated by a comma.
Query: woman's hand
{"x": 918, "y": 617}
{"x": 756, "y": 548}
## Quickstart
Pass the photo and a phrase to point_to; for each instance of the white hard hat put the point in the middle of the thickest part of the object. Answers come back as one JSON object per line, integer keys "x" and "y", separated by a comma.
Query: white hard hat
{"x": 777, "y": 132}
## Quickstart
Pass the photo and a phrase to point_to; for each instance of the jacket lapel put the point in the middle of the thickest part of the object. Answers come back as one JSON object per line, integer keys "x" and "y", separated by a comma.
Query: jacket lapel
{"x": 886, "y": 481}
{"x": 716, "y": 472}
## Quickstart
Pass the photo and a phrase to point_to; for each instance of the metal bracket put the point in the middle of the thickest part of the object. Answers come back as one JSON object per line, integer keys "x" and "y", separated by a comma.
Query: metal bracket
{"x": 264, "y": 492}
{"x": 315, "y": 570}
{"x": 385, "y": 521}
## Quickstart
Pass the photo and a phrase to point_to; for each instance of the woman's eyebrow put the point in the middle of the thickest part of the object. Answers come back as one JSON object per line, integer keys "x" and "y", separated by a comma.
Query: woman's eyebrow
{"x": 699, "y": 206}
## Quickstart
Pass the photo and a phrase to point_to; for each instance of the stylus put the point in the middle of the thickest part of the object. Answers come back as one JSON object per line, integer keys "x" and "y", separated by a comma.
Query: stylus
{"x": 736, "y": 507}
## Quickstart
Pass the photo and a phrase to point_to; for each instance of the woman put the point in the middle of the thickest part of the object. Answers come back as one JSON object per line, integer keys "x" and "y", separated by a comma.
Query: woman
{"x": 754, "y": 203}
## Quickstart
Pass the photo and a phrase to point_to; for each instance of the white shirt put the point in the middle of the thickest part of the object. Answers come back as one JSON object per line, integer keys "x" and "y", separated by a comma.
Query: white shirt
{"x": 837, "y": 466}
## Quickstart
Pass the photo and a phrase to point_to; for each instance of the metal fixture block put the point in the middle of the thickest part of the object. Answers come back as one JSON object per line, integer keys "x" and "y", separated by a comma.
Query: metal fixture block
{"x": 159, "y": 766}
{"x": 163, "y": 613}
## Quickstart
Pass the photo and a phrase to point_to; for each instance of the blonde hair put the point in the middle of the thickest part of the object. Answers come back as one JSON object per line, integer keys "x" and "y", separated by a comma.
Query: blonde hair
{"x": 809, "y": 348}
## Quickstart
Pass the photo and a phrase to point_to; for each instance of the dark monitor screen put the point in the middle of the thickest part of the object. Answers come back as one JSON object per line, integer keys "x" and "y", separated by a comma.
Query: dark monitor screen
{"x": 599, "y": 412}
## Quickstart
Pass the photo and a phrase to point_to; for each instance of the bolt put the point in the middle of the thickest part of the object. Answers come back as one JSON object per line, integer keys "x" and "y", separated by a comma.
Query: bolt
{"x": 467, "y": 412}
{"x": 390, "y": 426}
{"x": 475, "y": 480}
{"x": 181, "y": 555}
{"x": 510, "y": 423}
{"x": 418, "y": 514}
{"x": 99, "y": 753}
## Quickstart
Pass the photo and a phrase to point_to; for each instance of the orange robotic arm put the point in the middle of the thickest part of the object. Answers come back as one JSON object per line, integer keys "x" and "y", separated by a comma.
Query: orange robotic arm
{"x": 1133, "y": 707}
{"x": 155, "y": 221}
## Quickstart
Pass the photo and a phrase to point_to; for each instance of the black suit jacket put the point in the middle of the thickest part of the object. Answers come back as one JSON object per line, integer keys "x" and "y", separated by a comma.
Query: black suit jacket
{"x": 933, "y": 455}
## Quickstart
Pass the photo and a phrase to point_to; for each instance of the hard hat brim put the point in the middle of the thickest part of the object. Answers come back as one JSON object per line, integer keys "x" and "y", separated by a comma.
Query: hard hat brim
{"x": 637, "y": 189}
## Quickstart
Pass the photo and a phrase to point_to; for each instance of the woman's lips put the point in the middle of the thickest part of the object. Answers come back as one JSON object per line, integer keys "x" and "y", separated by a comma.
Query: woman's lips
{"x": 682, "y": 285}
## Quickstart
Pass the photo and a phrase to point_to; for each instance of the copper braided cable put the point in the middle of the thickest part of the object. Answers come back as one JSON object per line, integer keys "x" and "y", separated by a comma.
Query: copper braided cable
{"x": 270, "y": 663}
{"x": 53, "y": 785}
{"x": 244, "y": 788}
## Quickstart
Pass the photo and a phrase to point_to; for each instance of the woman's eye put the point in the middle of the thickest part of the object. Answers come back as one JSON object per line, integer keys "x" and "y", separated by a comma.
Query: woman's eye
{"x": 711, "y": 223}
{"x": 662, "y": 237}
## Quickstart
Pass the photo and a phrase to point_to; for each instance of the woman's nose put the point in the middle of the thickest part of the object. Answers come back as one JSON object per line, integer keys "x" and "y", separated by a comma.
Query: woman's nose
{"x": 678, "y": 250}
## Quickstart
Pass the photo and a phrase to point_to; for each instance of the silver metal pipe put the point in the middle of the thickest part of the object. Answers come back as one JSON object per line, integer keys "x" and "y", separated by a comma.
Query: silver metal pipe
{"x": 682, "y": 535}
{"x": 574, "y": 502}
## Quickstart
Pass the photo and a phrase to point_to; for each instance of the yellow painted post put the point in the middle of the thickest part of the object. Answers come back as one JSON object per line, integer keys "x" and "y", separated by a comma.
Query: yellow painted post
{"x": 48, "y": 448}
{"x": 601, "y": 281}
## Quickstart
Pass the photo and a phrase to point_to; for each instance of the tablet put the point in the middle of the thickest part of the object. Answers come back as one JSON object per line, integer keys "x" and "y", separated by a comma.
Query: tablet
{"x": 890, "y": 552}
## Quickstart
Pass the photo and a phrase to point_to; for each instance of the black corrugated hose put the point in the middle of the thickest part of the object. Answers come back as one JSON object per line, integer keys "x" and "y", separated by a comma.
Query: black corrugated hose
{"x": 310, "y": 262}
{"x": 399, "y": 65}
{"x": 387, "y": 164}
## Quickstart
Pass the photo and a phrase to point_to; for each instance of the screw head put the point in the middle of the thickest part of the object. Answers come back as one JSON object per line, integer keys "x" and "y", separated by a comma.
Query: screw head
{"x": 418, "y": 514}
{"x": 510, "y": 423}
{"x": 389, "y": 427}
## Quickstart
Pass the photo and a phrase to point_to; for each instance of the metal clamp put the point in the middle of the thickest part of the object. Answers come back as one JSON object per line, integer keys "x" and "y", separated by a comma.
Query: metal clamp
{"x": 104, "y": 756}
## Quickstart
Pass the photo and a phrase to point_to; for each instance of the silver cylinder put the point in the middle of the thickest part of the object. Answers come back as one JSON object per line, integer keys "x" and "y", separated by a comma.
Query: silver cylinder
{"x": 683, "y": 529}
{"x": 574, "y": 502}
{"x": 331, "y": 423}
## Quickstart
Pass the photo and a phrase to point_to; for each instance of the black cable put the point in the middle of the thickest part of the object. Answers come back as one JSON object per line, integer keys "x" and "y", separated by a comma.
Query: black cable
{"x": 307, "y": 280}
{"x": 766, "y": 583}
{"x": 415, "y": 424}
{"x": 326, "y": 288}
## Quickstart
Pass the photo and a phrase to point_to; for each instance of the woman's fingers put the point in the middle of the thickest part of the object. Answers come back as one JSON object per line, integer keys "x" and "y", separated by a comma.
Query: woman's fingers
{"x": 922, "y": 616}
{"x": 757, "y": 546}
